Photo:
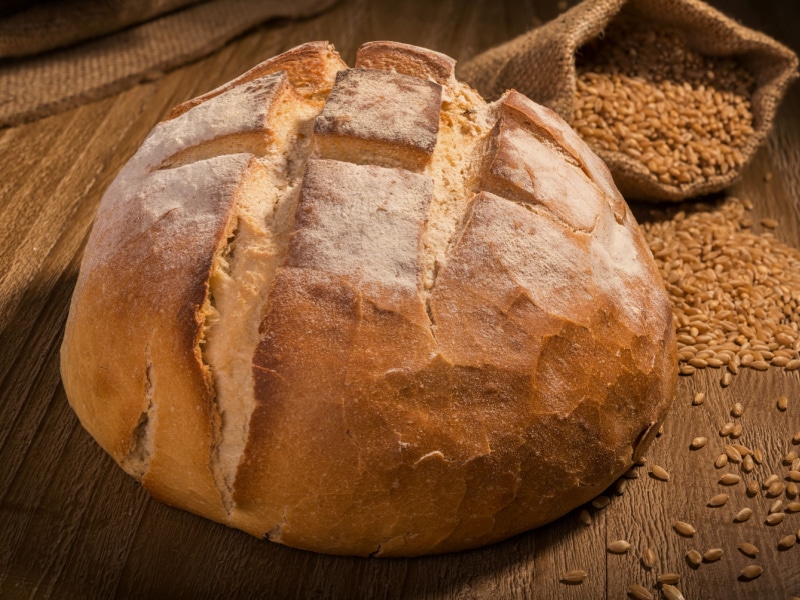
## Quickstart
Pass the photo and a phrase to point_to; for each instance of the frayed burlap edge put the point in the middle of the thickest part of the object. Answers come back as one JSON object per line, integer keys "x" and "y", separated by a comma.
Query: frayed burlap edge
{"x": 541, "y": 64}
{"x": 34, "y": 87}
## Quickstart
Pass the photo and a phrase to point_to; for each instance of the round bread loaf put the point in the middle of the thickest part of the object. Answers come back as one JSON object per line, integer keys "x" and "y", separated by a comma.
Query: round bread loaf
{"x": 362, "y": 311}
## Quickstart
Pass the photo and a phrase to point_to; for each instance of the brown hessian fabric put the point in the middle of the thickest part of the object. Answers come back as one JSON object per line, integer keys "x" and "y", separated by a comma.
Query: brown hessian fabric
{"x": 541, "y": 64}
{"x": 57, "y": 55}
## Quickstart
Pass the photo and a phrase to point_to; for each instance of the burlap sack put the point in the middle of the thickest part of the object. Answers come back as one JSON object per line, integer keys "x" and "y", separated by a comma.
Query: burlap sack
{"x": 541, "y": 64}
{"x": 58, "y": 55}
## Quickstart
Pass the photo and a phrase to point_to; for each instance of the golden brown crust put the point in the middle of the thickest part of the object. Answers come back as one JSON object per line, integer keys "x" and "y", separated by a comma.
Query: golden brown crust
{"x": 310, "y": 68}
{"x": 371, "y": 113}
{"x": 526, "y": 169}
{"x": 144, "y": 258}
{"x": 548, "y": 124}
{"x": 394, "y": 409}
{"x": 408, "y": 60}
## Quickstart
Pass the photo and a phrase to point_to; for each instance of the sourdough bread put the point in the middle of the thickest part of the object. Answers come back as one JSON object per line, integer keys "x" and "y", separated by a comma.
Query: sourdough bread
{"x": 362, "y": 311}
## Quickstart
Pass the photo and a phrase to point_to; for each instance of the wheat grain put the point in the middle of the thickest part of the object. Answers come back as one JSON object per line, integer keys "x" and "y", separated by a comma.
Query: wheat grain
{"x": 659, "y": 473}
{"x": 733, "y": 454}
{"x": 619, "y": 547}
{"x": 672, "y": 593}
{"x": 575, "y": 576}
{"x": 694, "y": 557}
{"x": 640, "y": 593}
{"x": 774, "y": 518}
{"x": 752, "y": 571}
{"x": 748, "y": 549}
{"x": 649, "y": 558}
{"x": 585, "y": 517}
{"x": 743, "y": 515}
{"x": 718, "y": 500}
{"x": 747, "y": 464}
{"x": 743, "y": 450}
{"x": 684, "y": 528}
{"x": 729, "y": 479}
{"x": 776, "y": 489}
{"x": 712, "y": 554}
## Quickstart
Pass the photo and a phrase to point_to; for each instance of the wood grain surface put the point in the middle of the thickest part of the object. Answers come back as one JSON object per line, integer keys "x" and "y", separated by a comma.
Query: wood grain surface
{"x": 73, "y": 525}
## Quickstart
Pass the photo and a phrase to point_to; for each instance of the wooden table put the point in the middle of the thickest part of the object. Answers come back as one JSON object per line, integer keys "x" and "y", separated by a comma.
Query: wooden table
{"x": 73, "y": 525}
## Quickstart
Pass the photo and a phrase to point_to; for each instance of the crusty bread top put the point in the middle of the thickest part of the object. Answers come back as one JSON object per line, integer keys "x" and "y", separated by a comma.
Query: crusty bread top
{"x": 362, "y": 311}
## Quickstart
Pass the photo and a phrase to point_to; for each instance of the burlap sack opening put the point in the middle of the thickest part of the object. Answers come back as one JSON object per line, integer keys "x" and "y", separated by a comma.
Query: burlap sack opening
{"x": 541, "y": 64}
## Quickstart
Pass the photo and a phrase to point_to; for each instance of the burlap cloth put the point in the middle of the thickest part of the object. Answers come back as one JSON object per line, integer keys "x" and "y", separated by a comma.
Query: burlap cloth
{"x": 57, "y": 55}
{"x": 541, "y": 65}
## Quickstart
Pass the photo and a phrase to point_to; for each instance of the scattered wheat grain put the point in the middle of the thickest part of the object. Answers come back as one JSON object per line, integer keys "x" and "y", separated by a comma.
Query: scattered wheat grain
{"x": 694, "y": 557}
{"x": 672, "y": 593}
{"x": 575, "y": 576}
{"x": 774, "y": 518}
{"x": 649, "y": 558}
{"x": 748, "y": 549}
{"x": 640, "y": 593}
{"x": 752, "y": 571}
{"x": 747, "y": 464}
{"x": 619, "y": 547}
{"x": 776, "y": 489}
{"x": 729, "y": 479}
{"x": 733, "y": 454}
{"x": 712, "y": 554}
{"x": 718, "y": 500}
{"x": 659, "y": 473}
{"x": 787, "y": 541}
{"x": 769, "y": 223}
{"x": 684, "y": 528}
